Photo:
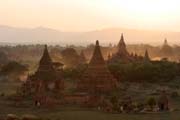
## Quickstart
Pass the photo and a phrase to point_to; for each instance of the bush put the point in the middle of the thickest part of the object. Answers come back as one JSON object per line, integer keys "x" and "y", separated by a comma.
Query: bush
{"x": 13, "y": 67}
{"x": 151, "y": 102}
{"x": 174, "y": 94}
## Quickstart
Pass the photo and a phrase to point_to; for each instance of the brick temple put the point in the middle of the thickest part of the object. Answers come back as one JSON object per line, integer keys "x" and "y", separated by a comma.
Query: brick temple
{"x": 123, "y": 56}
{"x": 166, "y": 49}
{"x": 47, "y": 80}
{"x": 97, "y": 78}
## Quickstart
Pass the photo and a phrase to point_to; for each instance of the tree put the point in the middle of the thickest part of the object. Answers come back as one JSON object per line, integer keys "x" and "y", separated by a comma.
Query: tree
{"x": 154, "y": 72}
{"x": 13, "y": 70}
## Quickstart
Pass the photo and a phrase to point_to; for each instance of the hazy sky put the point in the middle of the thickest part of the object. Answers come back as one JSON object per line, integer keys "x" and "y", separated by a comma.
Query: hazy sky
{"x": 85, "y": 15}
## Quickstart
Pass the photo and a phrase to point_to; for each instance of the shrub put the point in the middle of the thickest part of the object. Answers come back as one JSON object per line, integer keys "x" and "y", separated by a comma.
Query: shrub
{"x": 151, "y": 102}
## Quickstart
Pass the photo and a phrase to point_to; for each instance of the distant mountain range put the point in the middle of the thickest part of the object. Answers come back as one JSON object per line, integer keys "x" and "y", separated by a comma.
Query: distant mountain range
{"x": 42, "y": 35}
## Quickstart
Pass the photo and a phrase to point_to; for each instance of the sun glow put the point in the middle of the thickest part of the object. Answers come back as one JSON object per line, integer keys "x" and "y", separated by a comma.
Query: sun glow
{"x": 143, "y": 13}
{"x": 91, "y": 14}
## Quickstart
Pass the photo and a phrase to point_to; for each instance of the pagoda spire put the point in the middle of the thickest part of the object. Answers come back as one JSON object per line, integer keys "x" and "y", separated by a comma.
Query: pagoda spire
{"x": 166, "y": 50}
{"x": 97, "y": 57}
{"x": 121, "y": 42}
{"x": 146, "y": 56}
{"x": 45, "y": 61}
{"x": 122, "y": 46}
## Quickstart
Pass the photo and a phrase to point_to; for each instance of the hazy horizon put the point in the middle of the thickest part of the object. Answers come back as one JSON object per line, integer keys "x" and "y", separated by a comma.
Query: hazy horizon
{"x": 95, "y": 29}
{"x": 81, "y": 22}
{"x": 43, "y": 35}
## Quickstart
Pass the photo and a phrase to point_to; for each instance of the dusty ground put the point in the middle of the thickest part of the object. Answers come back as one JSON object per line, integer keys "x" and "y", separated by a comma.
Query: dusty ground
{"x": 76, "y": 113}
{"x": 71, "y": 113}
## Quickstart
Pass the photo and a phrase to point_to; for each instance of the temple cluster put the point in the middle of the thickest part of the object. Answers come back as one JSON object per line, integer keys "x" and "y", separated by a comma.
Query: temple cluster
{"x": 47, "y": 83}
{"x": 122, "y": 55}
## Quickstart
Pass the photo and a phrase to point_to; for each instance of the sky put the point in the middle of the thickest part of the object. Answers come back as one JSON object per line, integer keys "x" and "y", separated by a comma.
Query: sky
{"x": 87, "y": 15}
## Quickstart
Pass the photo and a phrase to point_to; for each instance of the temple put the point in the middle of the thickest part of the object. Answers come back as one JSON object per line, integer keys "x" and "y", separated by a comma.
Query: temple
{"x": 97, "y": 78}
{"x": 166, "y": 49}
{"x": 146, "y": 57}
{"x": 47, "y": 80}
{"x": 121, "y": 54}
{"x": 122, "y": 50}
